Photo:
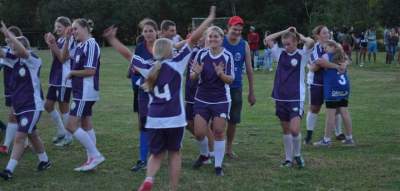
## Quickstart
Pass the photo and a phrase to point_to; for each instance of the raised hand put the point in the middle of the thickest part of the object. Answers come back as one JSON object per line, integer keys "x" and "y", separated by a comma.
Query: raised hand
{"x": 68, "y": 32}
{"x": 219, "y": 69}
{"x": 4, "y": 29}
{"x": 212, "y": 11}
{"x": 110, "y": 32}
{"x": 197, "y": 67}
{"x": 49, "y": 38}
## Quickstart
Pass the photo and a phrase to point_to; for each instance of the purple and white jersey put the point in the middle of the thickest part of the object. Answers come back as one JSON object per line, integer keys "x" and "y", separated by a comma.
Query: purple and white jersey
{"x": 59, "y": 71}
{"x": 27, "y": 91}
{"x": 87, "y": 56}
{"x": 317, "y": 77}
{"x": 191, "y": 85}
{"x": 289, "y": 76}
{"x": 211, "y": 89}
{"x": 8, "y": 63}
{"x": 166, "y": 107}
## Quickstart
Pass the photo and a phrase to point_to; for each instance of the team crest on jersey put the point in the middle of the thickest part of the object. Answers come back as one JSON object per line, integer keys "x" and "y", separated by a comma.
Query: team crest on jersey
{"x": 293, "y": 62}
{"x": 222, "y": 115}
{"x": 24, "y": 122}
{"x": 238, "y": 57}
{"x": 73, "y": 105}
{"x": 78, "y": 57}
{"x": 22, "y": 72}
{"x": 295, "y": 109}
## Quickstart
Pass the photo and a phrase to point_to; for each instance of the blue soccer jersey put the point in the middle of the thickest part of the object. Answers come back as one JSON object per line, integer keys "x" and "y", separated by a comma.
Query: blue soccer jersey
{"x": 336, "y": 85}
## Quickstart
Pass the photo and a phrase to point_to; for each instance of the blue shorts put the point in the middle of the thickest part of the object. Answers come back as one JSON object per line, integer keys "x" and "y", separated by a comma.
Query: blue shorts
{"x": 209, "y": 111}
{"x": 27, "y": 121}
{"x": 59, "y": 94}
{"x": 168, "y": 139}
{"x": 80, "y": 108}
{"x": 372, "y": 47}
{"x": 286, "y": 110}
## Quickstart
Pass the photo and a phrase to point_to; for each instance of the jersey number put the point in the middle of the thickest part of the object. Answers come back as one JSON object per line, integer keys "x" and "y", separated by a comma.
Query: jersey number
{"x": 342, "y": 80}
{"x": 166, "y": 93}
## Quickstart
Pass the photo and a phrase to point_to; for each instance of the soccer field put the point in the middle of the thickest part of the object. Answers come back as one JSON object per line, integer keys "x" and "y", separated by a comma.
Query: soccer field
{"x": 374, "y": 164}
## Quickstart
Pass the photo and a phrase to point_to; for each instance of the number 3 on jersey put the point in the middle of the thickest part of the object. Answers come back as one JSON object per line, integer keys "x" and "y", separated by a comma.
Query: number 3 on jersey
{"x": 342, "y": 80}
{"x": 166, "y": 93}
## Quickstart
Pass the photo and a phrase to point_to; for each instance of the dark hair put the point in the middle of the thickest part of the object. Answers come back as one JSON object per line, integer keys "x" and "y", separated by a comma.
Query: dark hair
{"x": 318, "y": 30}
{"x": 165, "y": 24}
{"x": 15, "y": 30}
{"x": 65, "y": 21}
{"x": 149, "y": 22}
{"x": 86, "y": 23}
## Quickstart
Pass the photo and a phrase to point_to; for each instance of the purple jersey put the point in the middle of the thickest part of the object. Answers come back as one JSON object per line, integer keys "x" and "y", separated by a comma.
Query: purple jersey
{"x": 87, "y": 56}
{"x": 316, "y": 78}
{"x": 8, "y": 63}
{"x": 289, "y": 75}
{"x": 59, "y": 71}
{"x": 166, "y": 107}
{"x": 27, "y": 92}
{"x": 191, "y": 85}
{"x": 211, "y": 88}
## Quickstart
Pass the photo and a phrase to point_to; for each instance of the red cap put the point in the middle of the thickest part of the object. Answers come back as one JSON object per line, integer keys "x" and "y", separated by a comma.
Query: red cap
{"x": 235, "y": 20}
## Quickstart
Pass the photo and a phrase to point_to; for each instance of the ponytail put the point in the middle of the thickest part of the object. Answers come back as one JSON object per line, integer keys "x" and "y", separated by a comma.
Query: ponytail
{"x": 150, "y": 82}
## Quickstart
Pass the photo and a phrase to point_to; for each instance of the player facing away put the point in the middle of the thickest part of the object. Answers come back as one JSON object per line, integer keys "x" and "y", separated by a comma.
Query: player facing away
{"x": 27, "y": 101}
{"x": 59, "y": 86}
{"x": 8, "y": 64}
{"x": 85, "y": 91}
{"x": 336, "y": 94}
{"x": 166, "y": 117}
{"x": 289, "y": 89}
{"x": 214, "y": 68}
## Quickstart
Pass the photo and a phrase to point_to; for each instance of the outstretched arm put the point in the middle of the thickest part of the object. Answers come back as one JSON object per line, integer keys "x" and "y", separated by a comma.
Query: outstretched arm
{"x": 197, "y": 34}
{"x": 20, "y": 50}
{"x": 110, "y": 35}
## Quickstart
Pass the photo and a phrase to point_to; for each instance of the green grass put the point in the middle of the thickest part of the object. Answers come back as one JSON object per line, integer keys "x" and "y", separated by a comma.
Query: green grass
{"x": 372, "y": 165}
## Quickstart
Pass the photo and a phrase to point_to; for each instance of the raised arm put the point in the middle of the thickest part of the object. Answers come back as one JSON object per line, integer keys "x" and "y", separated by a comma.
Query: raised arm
{"x": 180, "y": 44}
{"x": 308, "y": 42}
{"x": 198, "y": 33}
{"x": 110, "y": 34}
{"x": 20, "y": 50}
{"x": 57, "y": 52}
{"x": 277, "y": 34}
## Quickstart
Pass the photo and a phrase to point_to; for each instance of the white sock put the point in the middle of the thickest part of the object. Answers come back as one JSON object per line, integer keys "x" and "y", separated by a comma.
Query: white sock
{"x": 92, "y": 135}
{"x": 10, "y": 134}
{"x": 349, "y": 137}
{"x": 149, "y": 179}
{"x": 211, "y": 153}
{"x": 203, "y": 146}
{"x": 288, "y": 146}
{"x": 65, "y": 117}
{"x": 57, "y": 119}
{"x": 12, "y": 163}
{"x": 43, "y": 157}
{"x": 338, "y": 128}
{"x": 327, "y": 139}
{"x": 311, "y": 120}
{"x": 297, "y": 145}
{"x": 84, "y": 138}
{"x": 219, "y": 151}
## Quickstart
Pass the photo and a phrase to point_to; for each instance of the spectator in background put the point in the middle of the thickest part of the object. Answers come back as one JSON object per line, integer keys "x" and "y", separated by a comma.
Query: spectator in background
{"x": 356, "y": 45}
{"x": 268, "y": 53}
{"x": 363, "y": 48}
{"x": 393, "y": 41}
{"x": 253, "y": 39}
{"x": 372, "y": 44}
{"x": 386, "y": 35}
{"x": 398, "y": 46}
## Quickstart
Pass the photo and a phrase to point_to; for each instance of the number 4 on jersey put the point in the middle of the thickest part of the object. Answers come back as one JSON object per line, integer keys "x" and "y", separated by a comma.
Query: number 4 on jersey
{"x": 166, "y": 93}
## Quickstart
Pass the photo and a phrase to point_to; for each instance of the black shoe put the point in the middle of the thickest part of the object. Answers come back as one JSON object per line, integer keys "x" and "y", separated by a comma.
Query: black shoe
{"x": 44, "y": 165}
{"x": 308, "y": 138}
{"x": 2, "y": 126}
{"x": 299, "y": 161}
{"x": 139, "y": 165}
{"x": 341, "y": 137}
{"x": 287, "y": 164}
{"x": 219, "y": 171}
{"x": 6, "y": 174}
{"x": 200, "y": 161}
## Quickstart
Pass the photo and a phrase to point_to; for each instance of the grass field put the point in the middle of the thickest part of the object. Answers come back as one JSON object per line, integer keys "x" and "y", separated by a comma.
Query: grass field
{"x": 373, "y": 165}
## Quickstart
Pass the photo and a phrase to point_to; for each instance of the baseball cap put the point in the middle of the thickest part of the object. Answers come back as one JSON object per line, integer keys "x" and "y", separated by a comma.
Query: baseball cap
{"x": 235, "y": 20}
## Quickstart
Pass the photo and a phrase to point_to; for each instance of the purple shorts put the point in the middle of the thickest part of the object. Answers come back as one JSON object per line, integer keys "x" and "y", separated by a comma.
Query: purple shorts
{"x": 8, "y": 101}
{"x": 59, "y": 94}
{"x": 286, "y": 110}
{"x": 316, "y": 95}
{"x": 169, "y": 139}
{"x": 81, "y": 108}
{"x": 209, "y": 111}
{"x": 27, "y": 121}
{"x": 189, "y": 111}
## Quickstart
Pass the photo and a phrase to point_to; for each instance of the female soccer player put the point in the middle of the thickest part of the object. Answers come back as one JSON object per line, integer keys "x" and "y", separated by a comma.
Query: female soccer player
{"x": 289, "y": 89}
{"x": 215, "y": 70}
{"x": 85, "y": 90}
{"x": 59, "y": 86}
{"x": 27, "y": 101}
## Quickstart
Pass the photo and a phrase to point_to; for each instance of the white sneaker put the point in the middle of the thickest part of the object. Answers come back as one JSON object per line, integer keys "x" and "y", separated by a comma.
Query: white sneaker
{"x": 93, "y": 163}
{"x": 64, "y": 142}
{"x": 78, "y": 169}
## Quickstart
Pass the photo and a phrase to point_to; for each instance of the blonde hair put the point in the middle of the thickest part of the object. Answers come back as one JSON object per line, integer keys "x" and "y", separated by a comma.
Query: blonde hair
{"x": 162, "y": 50}
{"x": 24, "y": 41}
{"x": 215, "y": 29}
{"x": 339, "y": 55}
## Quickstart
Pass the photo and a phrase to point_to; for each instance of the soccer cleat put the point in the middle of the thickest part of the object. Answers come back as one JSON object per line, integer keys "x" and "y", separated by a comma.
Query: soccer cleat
{"x": 6, "y": 174}
{"x": 139, "y": 165}
{"x": 322, "y": 143}
{"x": 287, "y": 164}
{"x": 299, "y": 161}
{"x": 57, "y": 139}
{"x": 349, "y": 142}
{"x": 200, "y": 161}
{"x": 93, "y": 163}
{"x": 4, "y": 150}
{"x": 64, "y": 142}
{"x": 146, "y": 186}
{"x": 44, "y": 165}
{"x": 307, "y": 140}
{"x": 219, "y": 171}
{"x": 78, "y": 169}
{"x": 340, "y": 137}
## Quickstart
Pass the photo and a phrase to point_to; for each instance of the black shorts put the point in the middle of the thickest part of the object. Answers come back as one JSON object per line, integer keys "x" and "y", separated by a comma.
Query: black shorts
{"x": 236, "y": 105}
{"x": 59, "y": 94}
{"x": 336, "y": 104}
{"x": 169, "y": 139}
{"x": 135, "y": 99}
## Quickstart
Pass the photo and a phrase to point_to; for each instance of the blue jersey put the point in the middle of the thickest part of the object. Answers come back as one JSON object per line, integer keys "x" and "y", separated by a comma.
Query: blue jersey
{"x": 238, "y": 52}
{"x": 336, "y": 85}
